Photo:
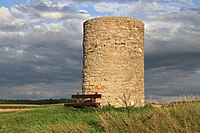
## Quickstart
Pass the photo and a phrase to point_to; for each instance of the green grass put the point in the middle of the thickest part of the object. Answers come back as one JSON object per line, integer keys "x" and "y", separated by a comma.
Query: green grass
{"x": 47, "y": 119}
{"x": 181, "y": 117}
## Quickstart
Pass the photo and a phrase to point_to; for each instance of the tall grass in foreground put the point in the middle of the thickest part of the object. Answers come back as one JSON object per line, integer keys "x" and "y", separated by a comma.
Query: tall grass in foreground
{"x": 180, "y": 118}
{"x": 174, "y": 118}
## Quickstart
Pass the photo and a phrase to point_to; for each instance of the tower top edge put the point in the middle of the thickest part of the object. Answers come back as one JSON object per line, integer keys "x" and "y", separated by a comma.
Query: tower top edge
{"x": 114, "y": 18}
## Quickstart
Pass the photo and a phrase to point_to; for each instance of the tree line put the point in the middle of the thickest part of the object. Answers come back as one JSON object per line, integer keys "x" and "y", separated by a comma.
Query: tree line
{"x": 44, "y": 101}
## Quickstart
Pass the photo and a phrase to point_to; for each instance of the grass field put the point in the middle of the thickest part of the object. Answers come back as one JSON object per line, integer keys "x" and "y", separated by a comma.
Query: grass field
{"x": 174, "y": 118}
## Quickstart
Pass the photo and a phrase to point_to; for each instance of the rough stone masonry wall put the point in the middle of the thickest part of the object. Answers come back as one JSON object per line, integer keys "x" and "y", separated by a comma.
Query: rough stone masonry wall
{"x": 113, "y": 60}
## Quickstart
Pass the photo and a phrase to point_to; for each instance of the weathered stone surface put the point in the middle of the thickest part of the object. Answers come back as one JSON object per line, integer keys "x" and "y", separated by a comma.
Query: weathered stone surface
{"x": 113, "y": 60}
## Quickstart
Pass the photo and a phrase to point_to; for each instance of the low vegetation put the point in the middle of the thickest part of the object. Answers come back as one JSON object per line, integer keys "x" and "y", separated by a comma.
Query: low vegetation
{"x": 181, "y": 117}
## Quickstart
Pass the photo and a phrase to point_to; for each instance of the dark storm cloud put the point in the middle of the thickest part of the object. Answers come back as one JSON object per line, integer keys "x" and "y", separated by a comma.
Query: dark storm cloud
{"x": 45, "y": 60}
{"x": 37, "y": 59}
{"x": 181, "y": 61}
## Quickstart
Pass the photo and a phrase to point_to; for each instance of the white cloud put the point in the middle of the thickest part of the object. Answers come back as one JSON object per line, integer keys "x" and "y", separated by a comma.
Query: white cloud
{"x": 198, "y": 71}
{"x": 6, "y": 49}
{"x": 82, "y": 11}
{"x": 163, "y": 31}
{"x": 106, "y": 7}
{"x": 4, "y": 14}
{"x": 48, "y": 10}
{"x": 4, "y": 34}
{"x": 51, "y": 15}
{"x": 48, "y": 28}
{"x": 7, "y": 20}
{"x": 143, "y": 6}
{"x": 184, "y": 1}
{"x": 5, "y": 17}
{"x": 179, "y": 32}
{"x": 20, "y": 51}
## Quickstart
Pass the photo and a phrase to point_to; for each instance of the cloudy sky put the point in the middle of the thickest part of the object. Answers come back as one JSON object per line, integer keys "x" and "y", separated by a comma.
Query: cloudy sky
{"x": 41, "y": 45}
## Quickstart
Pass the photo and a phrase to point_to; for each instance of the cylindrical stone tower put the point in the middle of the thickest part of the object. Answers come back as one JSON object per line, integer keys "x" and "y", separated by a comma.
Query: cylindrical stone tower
{"x": 113, "y": 60}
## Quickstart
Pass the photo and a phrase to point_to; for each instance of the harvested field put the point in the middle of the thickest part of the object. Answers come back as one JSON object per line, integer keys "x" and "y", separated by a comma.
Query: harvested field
{"x": 5, "y": 108}
{"x": 14, "y": 110}
{"x": 28, "y": 105}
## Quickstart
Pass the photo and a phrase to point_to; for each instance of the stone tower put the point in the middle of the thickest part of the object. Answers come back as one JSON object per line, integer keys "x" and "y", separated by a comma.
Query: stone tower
{"x": 113, "y": 60}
